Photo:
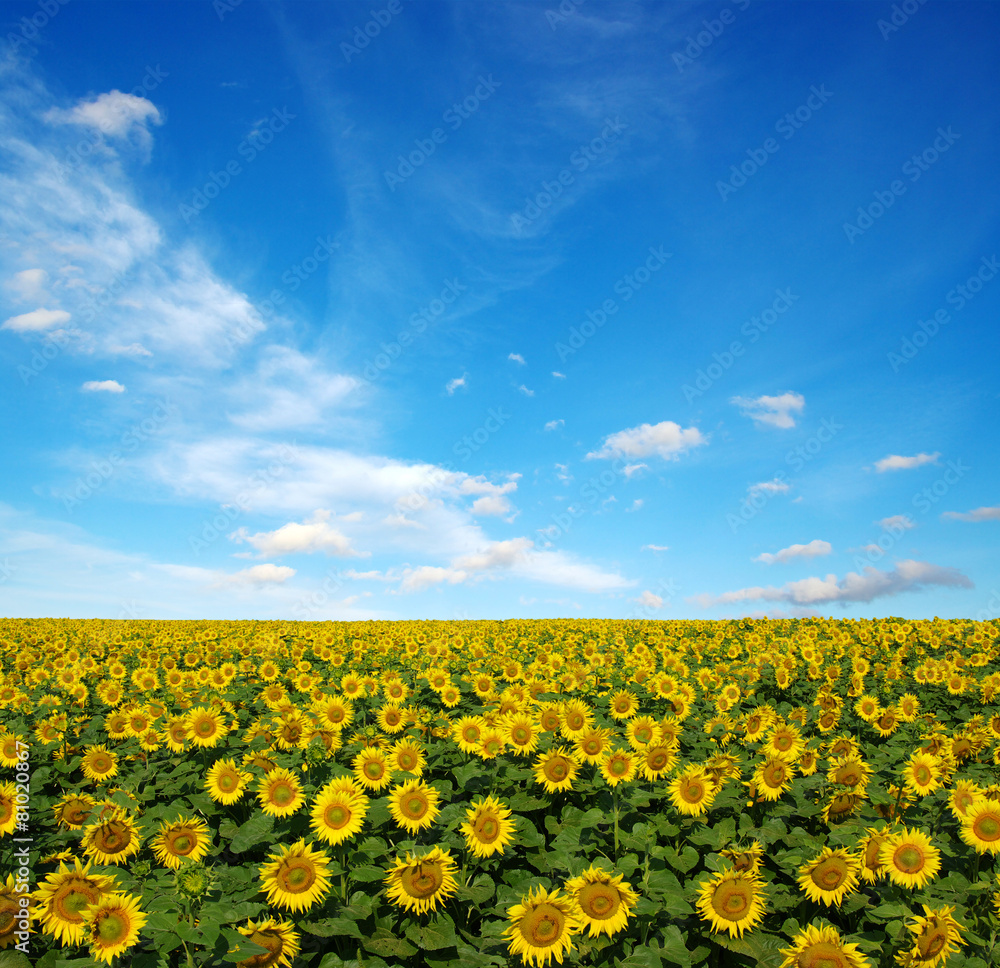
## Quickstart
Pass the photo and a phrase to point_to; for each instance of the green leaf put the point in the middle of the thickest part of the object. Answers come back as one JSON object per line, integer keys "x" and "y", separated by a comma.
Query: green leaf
{"x": 642, "y": 956}
{"x": 367, "y": 874}
{"x": 683, "y": 861}
{"x": 332, "y": 928}
{"x": 479, "y": 891}
{"x": 673, "y": 951}
{"x": 384, "y": 942}
{"x": 664, "y": 887}
{"x": 434, "y": 936}
{"x": 226, "y": 911}
{"x": 255, "y": 831}
{"x": 240, "y": 948}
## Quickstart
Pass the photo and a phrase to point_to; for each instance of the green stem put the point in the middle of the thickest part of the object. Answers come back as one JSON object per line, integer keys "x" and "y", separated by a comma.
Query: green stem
{"x": 614, "y": 794}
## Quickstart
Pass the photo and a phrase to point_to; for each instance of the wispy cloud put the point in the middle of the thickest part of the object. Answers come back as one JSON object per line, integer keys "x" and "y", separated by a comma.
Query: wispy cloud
{"x": 772, "y": 411}
{"x": 814, "y": 549}
{"x": 894, "y": 462}
{"x": 102, "y": 386}
{"x": 979, "y": 514}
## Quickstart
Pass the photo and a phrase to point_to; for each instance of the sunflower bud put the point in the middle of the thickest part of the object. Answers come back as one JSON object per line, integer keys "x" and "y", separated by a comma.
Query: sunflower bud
{"x": 194, "y": 882}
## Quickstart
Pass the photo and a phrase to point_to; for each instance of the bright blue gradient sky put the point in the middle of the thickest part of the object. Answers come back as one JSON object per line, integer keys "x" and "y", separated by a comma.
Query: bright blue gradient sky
{"x": 507, "y": 312}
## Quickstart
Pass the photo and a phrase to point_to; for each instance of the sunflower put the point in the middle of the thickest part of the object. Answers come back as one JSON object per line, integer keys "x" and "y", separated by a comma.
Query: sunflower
{"x": 420, "y": 883}
{"x": 745, "y": 859}
{"x": 732, "y": 901}
{"x": 936, "y": 935}
{"x": 642, "y": 731}
{"x": 521, "y": 733}
{"x": 542, "y": 927}
{"x": 602, "y": 902}
{"x": 773, "y": 777}
{"x": 830, "y": 877}
{"x": 99, "y": 763}
{"x": 391, "y": 719}
{"x": 112, "y": 840}
{"x": 15, "y": 915}
{"x": 556, "y": 770}
{"x": 840, "y": 806}
{"x": 226, "y": 782}
{"x": 908, "y": 707}
{"x": 692, "y": 791}
{"x": 488, "y": 827}
{"x": 981, "y": 826}
{"x": 657, "y": 760}
{"x": 279, "y": 793}
{"x": 336, "y": 712}
{"x": 963, "y": 795}
{"x": 618, "y": 766}
{"x": 64, "y": 895}
{"x": 371, "y": 767}
{"x": 467, "y": 733}
{"x": 279, "y": 938}
{"x": 73, "y": 810}
{"x": 206, "y": 727}
{"x": 923, "y": 773}
{"x": 850, "y": 771}
{"x": 296, "y": 877}
{"x": 112, "y": 925}
{"x": 407, "y": 757}
{"x": 576, "y": 717}
{"x": 184, "y": 838}
{"x": 870, "y": 867}
{"x": 909, "y": 858}
{"x": 820, "y": 947}
{"x": 783, "y": 743}
{"x": 623, "y": 704}
{"x": 414, "y": 805}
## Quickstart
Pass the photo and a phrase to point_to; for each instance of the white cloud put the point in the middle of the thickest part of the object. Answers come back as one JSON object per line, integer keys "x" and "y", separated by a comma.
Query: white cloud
{"x": 417, "y": 579}
{"x": 897, "y": 522}
{"x": 114, "y": 114}
{"x": 260, "y": 575}
{"x": 28, "y": 285}
{"x": 312, "y": 535}
{"x": 648, "y": 600}
{"x": 555, "y": 424}
{"x": 102, "y": 386}
{"x": 516, "y": 358}
{"x": 636, "y": 505}
{"x": 865, "y": 587}
{"x": 896, "y": 463}
{"x": 558, "y": 375}
{"x": 772, "y": 411}
{"x": 979, "y": 514}
{"x": 452, "y": 385}
{"x": 654, "y": 547}
{"x": 498, "y": 554}
{"x": 814, "y": 549}
{"x": 135, "y": 350}
{"x": 36, "y": 321}
{"x": 769, "y": 487}
{"x": 629, "y": 469}
{"x": 490, "y": 504}
{"x": 288, "y": 390}
{"x": 526, "y": 391}
{"x": 665, "y": 439}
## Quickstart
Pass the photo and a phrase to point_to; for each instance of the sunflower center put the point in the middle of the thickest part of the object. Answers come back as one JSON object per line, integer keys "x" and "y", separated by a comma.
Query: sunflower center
{"x": 416, "y": 806}
{"x": 932, "y": 942}
{"x": 297, "y": 876}
{"x": 76, "y": 813}
{"x": 823, "y": 954}
{"x": 274, "y": 945}
{"x": 520, "y": 736}
{"x": 909, "y": 858}
{"x": 282, "y": 793}
{"x": 543, "y": 927}
{"x": 100, "y": 764}
{"x": 987, "y": 827}
{"x": 693, "y": 791}
{"x": 849, "y": 776}
{"x": 374, "y": 770}
{"x": 70, "y": 900}
{"x": 557, "y": 770}
{"x": 487, "y": 829}
{"x": 922, "y": 775}
{"x": 731, "y": 901}
{"x": 182, "y": 843}
{"x": 643, "y": 734}
{"x": 829, "y": 876}
{"x": 423, "y": 880}
{"x": 617, "y": 766}
{"x": 657, "y": 760}
{"x": 599, "y": 901}
{"x": 228, "y": 782}
{"x": 204, "y": 728}
{"x": 113, "y": 927}
{"x": 112, "y": 838}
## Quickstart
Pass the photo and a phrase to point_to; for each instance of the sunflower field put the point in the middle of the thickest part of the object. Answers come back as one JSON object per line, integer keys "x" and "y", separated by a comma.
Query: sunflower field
{"x": 789, "y": 794}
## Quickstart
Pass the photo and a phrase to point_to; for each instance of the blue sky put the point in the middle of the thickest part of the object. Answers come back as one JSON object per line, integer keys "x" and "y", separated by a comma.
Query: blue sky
{"x": 431, "y": 310}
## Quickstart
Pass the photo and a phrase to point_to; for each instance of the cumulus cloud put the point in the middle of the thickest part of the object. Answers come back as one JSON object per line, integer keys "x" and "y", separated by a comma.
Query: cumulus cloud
{"x": 814, "y": 549}
{"x": 114, "y": 114}
{"x": 665, "y": 439}
{"x": 772, "y": 411}
{"x": 897, "y": 522}
{"x": 854, "y": 587}
{"x": 260, "y": 575}
{"x": 426, "y": 576}
{"x": 36, "y": 321}
{"x": 979, "y": 514}
{"x": 516, "y": 358}
{"x": 312, "y": 535}
{"x": 490, "y": 504}
{"x": 452, "y": 385}
{"x": 555, "y": 424}
{"x": 102, "y": 386}
{"x": 648, "y": 600}
{"x": 894, "y": 462}
{"x": 498, "y": 554}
